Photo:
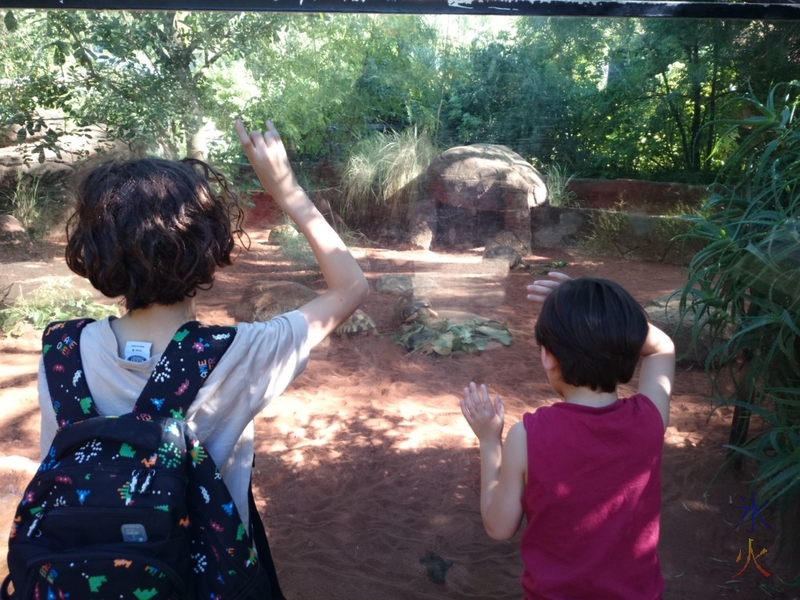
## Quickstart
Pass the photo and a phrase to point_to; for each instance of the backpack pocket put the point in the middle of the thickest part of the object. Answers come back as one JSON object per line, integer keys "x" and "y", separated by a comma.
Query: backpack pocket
{"x": 129, "y": 552}
{"x": 101, "y": 575}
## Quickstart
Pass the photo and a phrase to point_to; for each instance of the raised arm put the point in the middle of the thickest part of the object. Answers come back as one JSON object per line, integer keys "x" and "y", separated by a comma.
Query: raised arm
{"x": 657, "y": 371}
{"x": 347, "y": 286}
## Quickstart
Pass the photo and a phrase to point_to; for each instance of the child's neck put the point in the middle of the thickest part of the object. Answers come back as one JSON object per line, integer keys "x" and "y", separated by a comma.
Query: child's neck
{"x": 586, "y": 396}
{"x": 155, "y": 324}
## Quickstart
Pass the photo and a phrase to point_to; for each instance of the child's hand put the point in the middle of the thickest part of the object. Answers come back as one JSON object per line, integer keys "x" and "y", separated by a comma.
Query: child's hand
{"x": 268, "y": 157}
{"x": 541, "y": 288}
{"x": 485, "y": 417}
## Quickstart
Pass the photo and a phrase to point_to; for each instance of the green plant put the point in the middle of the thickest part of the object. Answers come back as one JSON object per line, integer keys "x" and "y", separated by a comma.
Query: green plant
{"x": 558, "y": 193}
{"x": 747, "y": 276}
{"x": 56, "y": 301}
{"x": 379, "y": 181}
{"x": 641, "y": 237}
{"x": 444, "y": 338}
{"x": 31, "y": 205}
{"x": 296, "y": 249}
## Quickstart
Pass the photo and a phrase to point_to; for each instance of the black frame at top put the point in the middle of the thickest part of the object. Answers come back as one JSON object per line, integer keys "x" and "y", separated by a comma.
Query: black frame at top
{"x": 788, "y": 10}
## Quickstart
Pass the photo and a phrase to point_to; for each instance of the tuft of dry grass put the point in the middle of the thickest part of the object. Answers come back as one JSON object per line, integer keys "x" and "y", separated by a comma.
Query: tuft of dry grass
{"x": 379, "y": 181}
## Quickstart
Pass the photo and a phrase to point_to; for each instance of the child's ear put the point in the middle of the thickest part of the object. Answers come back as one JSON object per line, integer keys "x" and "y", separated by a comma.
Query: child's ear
{"x": 549, "y": 361}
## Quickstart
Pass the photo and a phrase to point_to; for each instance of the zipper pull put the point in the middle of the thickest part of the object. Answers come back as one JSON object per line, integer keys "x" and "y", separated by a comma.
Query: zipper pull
{"x": 34, "y": 528}
{"x": 148, "y": 480}
{"x": 134, "y": 481}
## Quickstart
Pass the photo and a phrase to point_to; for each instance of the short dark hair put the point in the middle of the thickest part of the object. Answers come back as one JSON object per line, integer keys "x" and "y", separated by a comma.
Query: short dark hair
{"x": 152, "y": 230}
{"x": 595, "y": 330}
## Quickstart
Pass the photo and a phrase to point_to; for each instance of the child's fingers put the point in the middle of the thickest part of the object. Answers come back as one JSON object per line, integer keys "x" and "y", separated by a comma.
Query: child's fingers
{"x": 541, "y": 288}
{"x": 499, "y": 408}
{"x": 247, "y": 139}
{"x": 464, "y": 411}
{"x": 561, "y": 277}
{"x": 480, "y": 395}
{"x": 471, "y": 399}
{"x": 538, "y": 293}
{"x": 244, "y": 138}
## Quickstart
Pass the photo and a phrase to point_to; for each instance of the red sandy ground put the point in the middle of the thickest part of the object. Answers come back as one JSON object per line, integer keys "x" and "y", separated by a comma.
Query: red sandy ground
{"x": 365, "y": 464}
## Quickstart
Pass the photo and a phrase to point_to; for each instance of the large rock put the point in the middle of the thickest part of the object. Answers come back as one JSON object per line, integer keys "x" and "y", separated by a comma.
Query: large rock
{"x": 477, "y": 191}
{"x": 11, "y": 231}
{"x": 263, "y": 300}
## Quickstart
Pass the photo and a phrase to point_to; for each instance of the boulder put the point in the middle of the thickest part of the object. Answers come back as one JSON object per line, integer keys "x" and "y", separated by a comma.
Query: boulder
{"x": 478, "y": 188}
{"x": 11, "y": 231}
{"x": 263, "y": 300}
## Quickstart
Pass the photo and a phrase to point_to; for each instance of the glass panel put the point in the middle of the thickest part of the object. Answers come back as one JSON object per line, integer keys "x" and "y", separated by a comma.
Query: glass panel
{"x": 460, "y": 158}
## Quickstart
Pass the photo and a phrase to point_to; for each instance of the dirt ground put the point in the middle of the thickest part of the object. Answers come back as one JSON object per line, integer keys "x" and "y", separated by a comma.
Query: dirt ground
{"x": 366, "y": 465}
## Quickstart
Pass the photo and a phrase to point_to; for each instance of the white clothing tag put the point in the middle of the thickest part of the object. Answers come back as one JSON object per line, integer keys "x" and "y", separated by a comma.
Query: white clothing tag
{"x": 137, "y": 352}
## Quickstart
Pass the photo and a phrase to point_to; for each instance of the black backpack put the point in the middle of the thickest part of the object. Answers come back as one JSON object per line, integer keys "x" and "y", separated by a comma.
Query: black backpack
{"x": 132, "y": 507}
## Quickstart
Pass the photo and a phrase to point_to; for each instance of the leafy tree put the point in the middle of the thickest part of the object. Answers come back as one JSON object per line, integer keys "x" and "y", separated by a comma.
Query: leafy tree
{"x": 30, "y": 78}
{"x": 145, "y": 74}
{"x": 330, "y": 79}
{"x": 602, "y": 97}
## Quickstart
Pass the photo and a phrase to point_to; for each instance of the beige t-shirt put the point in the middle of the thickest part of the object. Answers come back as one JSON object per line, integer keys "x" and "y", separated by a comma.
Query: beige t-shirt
{"x": 262, "y": 360}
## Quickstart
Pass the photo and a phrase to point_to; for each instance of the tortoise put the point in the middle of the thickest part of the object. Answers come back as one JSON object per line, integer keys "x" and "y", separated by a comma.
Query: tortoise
{"x": 505, "y": 254}
{"x": 357, "y": 323}
{"x": 409, "y": 308}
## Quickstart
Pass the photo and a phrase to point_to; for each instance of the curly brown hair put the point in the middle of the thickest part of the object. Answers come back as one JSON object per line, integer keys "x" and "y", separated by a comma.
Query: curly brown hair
{"x": 152, "y": 231}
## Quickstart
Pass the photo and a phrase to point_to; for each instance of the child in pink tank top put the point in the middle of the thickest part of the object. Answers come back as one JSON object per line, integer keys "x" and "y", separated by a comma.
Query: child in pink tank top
{"x": 585, "y": 473}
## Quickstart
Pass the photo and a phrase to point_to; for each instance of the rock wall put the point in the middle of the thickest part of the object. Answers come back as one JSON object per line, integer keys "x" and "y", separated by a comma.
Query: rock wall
{"x": 649, "y": 197}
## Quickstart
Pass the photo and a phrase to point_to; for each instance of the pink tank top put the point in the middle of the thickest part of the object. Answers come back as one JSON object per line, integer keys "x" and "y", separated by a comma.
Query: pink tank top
{"x": 593, "y": 501}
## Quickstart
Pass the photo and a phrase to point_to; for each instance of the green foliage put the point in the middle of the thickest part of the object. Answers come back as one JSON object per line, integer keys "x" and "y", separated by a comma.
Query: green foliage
{"x": 56, "y": 301}
{"x": 445, "y": 338}
{"x": 603, "y": 97}
{"x": 296, "y": 249}
{"x": 327, "y": 80}
{"x": 380, "y": 180}
{"x": 31, "y": 205}
{"x": 657, "y": 238}
{"x": 747, "y": 276}
{"x": 556, "y": 179}
{"x": 147, "y": 75}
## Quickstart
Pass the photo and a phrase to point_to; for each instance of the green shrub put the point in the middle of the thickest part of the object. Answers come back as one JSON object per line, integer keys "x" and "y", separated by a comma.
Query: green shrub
{"x": 557, "y": 192}
{"x": 296, "y": 249}
{"x": 56, "y": 301}
{"x": 640, "y": 237}
{"x": 747, "y": 276}
{"x": 34, "y": 206}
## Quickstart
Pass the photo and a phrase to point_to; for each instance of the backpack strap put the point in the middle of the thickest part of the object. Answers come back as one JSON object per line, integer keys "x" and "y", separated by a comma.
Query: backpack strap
{"x": 184, "y": 366}
{"x": 69, "y": 393}
{"x": 259, "y": 537}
